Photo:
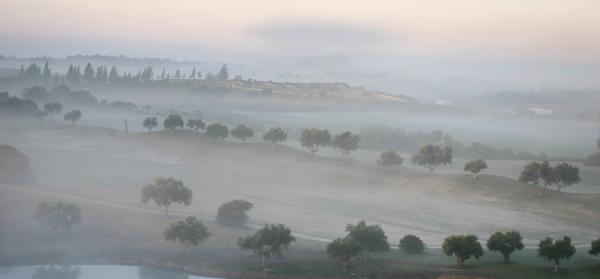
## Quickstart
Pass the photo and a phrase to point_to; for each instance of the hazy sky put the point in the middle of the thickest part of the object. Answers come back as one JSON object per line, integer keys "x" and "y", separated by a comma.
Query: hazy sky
{"x": 445, "y": 36}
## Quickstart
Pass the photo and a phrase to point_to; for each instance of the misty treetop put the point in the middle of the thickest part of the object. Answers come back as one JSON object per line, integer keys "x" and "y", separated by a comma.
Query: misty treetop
{"x": 463, "y": 247}
{"x": 53, "y": 108}
{"x": 556, "y": 250}
{"x": 345, "y": 142}
{"x": 217, "y": 131}
{"x": 269, "y": 241}
{"x": 166, "y": 191}
{"x": 595, "y": 248}
{"x": 188, "y": 232}
{"x": 314, "y": 138}
{"x": 475, "y": 166}
{"x": 390, "y": 159}
{"x": 242, "y": 132}
{"x": 72, "y": 116}
{"x": 195, "y": 124}
{"x": 506, "y": 243}
{"x": 275, "y": 135}
{"x": 371, "y": 237}
{"x": 150, "y": 123}
{"x": 431, "y": 156}
{"x": 344, "y": 249}
{"x": 58, "y": 215}
{"x": 233, "y": 213}
{"x": 173, "y": 122}
{"x": 411, "y": 244}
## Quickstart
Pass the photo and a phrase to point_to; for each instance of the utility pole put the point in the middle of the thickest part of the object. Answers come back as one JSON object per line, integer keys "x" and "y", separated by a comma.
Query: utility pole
{"x": 126, "y": 130}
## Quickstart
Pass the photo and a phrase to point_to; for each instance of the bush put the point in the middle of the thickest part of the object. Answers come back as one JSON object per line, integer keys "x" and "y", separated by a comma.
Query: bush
{"x": 411, "y": 244}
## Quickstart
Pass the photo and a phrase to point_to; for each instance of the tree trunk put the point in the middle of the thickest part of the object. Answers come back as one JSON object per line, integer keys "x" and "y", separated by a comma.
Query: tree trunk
{"x": 556, "y": 264}
{"x": 263, "y": 262}
{"x": 187, "y": 250}
{"x": 474, "y": 175}
{"x": 506, "y": 258}
{"x": 166, "y": 210}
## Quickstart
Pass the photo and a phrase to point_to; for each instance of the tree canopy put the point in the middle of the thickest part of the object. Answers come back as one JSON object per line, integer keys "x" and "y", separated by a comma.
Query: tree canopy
{"x": 166, "y": 191}
{"x": 411, "y": 244}
{"x": 463, "y": 247}
{"x": 242, "y": 132}
{"x": 53, "y": 108}
{"x": 595, "y": 249}
{"x": 542, "y": 175}
{"x": 313, "y": 138}
{"x": 268, "y": 242}
{"x": 555, "y": 251}
{"x": 217, "y": 131}
{"x": 187, "y": 232}
{"x": 234, "y": 212}
{"x": 390, "y": 159}
{"x": 505, "y": 243}
{"x": 275, "y": 135}
{"x": 73, "y": 116}
{"x": 195, "y": 124}
{"x": 58, "y": 215}
{"x": 344, "y": 249}
{"x": 345, "y": 142}
{"x": 475, "y": 166}
{"x": 371, "y": 237}
{"x": 150, "y": 123}
{"x": 173, "y": 122}
{"x": 432, "y": 156}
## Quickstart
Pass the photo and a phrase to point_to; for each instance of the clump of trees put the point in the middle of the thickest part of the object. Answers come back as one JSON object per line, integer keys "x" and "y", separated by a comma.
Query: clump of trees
{"x": 242, "y": 133}
{"x": 195, "y": 124}
{"x": 432, "y": 156}
{"x": 233, "y": 213}
{"x": 314, "y": 138}
{"x": 166, "y": 191}
{"x": 73, "y": 116}
{"x": 150, "y": 123}
{"x": 344, "y": 249}
{"x": 390, "y": 159}
{"x": 189, "y": 232}
{"x": 275, "y": 135}
{"x": 552, "y": 250}
{"x": 595, "y": 249}
{"x": 217, "y": 131}
{"x": 411, "y": 244}
{"x": 463, "y": 247}
{"x": 173, "y": 122}
{"x": 345, "y": 142}
{"x": 269, "y": 241}
{"x": 58, "y": 215}
{"x": 506, "y": 243}
{"x": 53, "y": 108}
{"x": 475, "y": 166}
{"x": 542, "y": 175}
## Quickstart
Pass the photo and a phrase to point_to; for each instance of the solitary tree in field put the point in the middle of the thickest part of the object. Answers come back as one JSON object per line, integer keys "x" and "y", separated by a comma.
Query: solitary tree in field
{"x": 345, "y": 142}
{"x": 390, "y": 159}
{"x": 432, "y": 156}
{"x": 223, "y": 73}
{"x": 242, "y": 133}
{"x": 150, "y": 123}
{"x": 313, "y": 138}
{"x": 217, "y": 131}
{"x": 565, "y": 175}
{"x": 595, "y": 250}
{"x": 173, "y": 122}
{"x": 58, "y": 215}
{"x": 275, "y": 135}
{"x": 344, "y": 249}
{"x": 233, "y": 213}
{"x": 166, "y": 191}
{"x": 411, "y": 244}
{"x": 371, "y": 237}
{"x": 505, "y": 243}
{"x": 195, "y": 124}
{"x": 475, "y": 166}
{"x": 270, "y": 241}
{"x": 73, "y": 116}
{"x": 40, "y": 115}
{"x": 187, "y": 232}
{"x": 463, "y": 247}
{"x": 557, "y": 250}
{"x": 53, "y": 108}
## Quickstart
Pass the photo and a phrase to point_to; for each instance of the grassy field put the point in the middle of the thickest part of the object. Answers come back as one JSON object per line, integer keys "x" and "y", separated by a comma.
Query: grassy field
{"x": 103, "y": 172}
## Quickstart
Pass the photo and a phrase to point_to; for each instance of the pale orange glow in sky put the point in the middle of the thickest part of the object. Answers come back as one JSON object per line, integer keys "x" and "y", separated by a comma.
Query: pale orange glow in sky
{"x": 505, "y": 27}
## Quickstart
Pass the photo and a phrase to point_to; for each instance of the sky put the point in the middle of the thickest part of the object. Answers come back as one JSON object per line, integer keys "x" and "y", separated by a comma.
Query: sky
{"x": 551, "y": 40}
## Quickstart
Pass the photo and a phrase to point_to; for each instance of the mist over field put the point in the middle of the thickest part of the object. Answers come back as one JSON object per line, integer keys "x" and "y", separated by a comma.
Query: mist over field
{"x": 299, "y": 140}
